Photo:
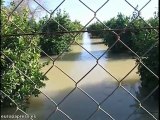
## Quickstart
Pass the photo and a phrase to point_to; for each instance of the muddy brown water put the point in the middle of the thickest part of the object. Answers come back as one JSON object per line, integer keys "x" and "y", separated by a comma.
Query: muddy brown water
{"x": 98, "y": 84}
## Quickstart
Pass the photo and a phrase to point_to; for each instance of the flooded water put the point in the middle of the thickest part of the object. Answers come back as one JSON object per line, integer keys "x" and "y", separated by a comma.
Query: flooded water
{"x": 99, "y": 84}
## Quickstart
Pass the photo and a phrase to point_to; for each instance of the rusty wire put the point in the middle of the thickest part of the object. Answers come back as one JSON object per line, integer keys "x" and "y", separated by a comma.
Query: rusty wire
{"x": 98, "y": 104}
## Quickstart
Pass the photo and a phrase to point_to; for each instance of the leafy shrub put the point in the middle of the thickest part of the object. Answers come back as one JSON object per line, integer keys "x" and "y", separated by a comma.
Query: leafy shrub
{"x": 22, "y": 51}
{"x": 54, "y": 44}
{"x": 143, "y": 40}
{"x": 96, "y": 30}
{"x": 118, "y": 23}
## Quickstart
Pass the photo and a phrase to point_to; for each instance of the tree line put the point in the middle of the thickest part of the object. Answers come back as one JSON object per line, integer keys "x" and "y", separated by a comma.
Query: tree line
{"x": 136, "y": 38}
{"x": 21, "y": 74}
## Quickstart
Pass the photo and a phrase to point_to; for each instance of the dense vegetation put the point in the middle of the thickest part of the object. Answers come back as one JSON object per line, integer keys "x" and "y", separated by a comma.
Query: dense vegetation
{"x": 95, "y": 30}
{"x": 21, "y": 74}
{"x": 22, "y": 51}
{"x": 143, "y": 40}
{"x": 54, "y": 44}
{"x": 139, "y": 40}
{"x": 110, "y": 38}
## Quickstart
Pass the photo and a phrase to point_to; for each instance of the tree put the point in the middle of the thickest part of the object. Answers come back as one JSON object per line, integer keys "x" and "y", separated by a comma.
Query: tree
{"x": 143, "y": 40}
{"x": 96, "y": 30}
{"x": 22, "y": 51}
{"x": 120, "y": 22}
{"x": 55, "y": 44}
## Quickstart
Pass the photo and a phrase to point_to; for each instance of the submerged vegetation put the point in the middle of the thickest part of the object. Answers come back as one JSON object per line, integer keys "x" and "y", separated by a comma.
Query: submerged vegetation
{"x": 139, "y": 40}
{"x": 21, "y": 74}
{"x": 20, "y": 55}
{"x": 20, "y": 67}
{"x": 53, "y": 44}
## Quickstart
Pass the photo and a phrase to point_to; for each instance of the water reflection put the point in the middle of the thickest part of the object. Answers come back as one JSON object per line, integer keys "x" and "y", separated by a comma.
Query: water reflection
{"x": 98, "y": 84}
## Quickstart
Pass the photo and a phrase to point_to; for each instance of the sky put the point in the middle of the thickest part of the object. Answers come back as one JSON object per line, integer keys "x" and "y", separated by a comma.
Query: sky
{"x": 78, "y": 11}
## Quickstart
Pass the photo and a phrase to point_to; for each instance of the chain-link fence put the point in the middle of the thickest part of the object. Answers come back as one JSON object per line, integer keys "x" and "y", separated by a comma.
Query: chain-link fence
{"x": 74, "y": 34}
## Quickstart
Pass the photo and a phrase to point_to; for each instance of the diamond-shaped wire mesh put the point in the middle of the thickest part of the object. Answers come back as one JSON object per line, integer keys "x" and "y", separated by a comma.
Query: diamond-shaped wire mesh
{"x": 59, "y": 107}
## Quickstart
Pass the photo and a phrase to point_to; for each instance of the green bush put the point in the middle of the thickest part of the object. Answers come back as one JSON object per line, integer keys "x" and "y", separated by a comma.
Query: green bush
{"x": 143, "y": 40}
{"x": 76, "y": 26}
{"x": 55, "y": 44}
{"x": 96, "y": 30}
{"x": 149, "y": 81}
{"x": 118, "y": 23}
{"x": 23, "y": 53}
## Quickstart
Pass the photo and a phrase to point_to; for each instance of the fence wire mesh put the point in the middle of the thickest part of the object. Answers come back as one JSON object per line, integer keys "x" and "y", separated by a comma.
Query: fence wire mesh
{"x": 74, "y": 34}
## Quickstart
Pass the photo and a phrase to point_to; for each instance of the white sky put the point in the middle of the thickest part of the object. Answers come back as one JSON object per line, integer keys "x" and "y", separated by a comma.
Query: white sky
{"x": 77, "y": 11}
